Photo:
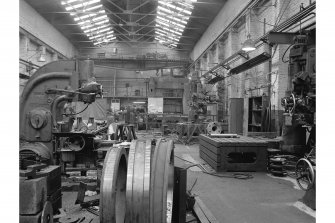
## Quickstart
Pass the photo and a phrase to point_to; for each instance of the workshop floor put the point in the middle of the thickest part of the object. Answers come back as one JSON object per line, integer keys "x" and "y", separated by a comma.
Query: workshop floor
{"x": 262, "y": 199}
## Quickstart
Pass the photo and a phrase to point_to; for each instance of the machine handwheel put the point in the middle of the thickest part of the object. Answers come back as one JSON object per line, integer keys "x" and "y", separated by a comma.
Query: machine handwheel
{"x": 305, "y": 174}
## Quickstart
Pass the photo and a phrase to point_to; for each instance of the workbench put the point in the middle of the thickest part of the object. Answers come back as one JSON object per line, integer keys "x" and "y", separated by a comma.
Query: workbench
{"x": 234, "y": 154}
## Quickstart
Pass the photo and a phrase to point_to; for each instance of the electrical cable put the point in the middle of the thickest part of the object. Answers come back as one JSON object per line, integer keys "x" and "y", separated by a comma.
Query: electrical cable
{"x": 190, "y": 190}
{"x": 240, "y": 176}
{"x": 78, "y": 112}
{"x": 282, "y": 58}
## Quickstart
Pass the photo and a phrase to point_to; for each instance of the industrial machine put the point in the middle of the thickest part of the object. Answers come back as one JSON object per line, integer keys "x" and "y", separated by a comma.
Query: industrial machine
{"x": 46, "y": 117}
{"x": 300, "y": 108}
{"x": 140, "y": 177}
{"x": 46, "y": 122}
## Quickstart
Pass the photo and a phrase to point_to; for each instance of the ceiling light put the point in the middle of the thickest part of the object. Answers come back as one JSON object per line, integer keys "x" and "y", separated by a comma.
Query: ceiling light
{"x": 170, "y": 22}
{"x": 248, "y": 45}
{"x": 104, "y": 41}
{"x": 139, "y": 102}
{"x": 168, "y": 30}
{"x": 175, "y": 7}
{"x": 42, "y": 56}
{"x": 171, "y": 17}
{"x": 94, "y": 7}
{"x": 67, "y": 2}
{"x": 96, "y": 28}
{"x": 81, "y": 5}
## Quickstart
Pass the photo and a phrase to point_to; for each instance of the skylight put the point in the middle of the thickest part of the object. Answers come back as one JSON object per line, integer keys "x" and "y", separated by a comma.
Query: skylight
{"x": 92, "y": 19}
{"x": 171, "y": 20}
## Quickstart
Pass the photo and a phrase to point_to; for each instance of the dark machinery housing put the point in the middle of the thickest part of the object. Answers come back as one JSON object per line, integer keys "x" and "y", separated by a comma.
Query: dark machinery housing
{"x": 42, "y": 109}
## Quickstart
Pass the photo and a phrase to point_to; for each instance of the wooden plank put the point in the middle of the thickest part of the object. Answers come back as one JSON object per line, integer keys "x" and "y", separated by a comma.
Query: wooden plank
{"x": 240, "y": 141}
{"x": 212, "y": 163}
{"x": 209, "y": 217}
{"x": 212, "y": 148}
{"x": 209, "y": 140}
{"x": 213, "y": 156}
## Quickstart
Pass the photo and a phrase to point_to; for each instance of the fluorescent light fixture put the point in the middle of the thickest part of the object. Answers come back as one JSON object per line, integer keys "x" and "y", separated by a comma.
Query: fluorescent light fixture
{"x": 173, "y": 13}
{"x": 169, "y": 30}
{"x": 84, "y": 17}
{"x": 170, "y": 26}
{"x": 169, "y": 21}
{"x": 104, "y": 41}
{"x": 168, "y": 34}
{"x": 92, "y": 8}
{"x": 84, "y": 4}
{"x": 175, "y": 7}
{"x": 94, "y": 19}
{"x": 171, "y": 17}
{"x": 104, "y": 38}
{"x": 68, "y": 2}
{"x": 185, "y": 5}
{"x": 139, "y": 102}
{"x": 96, "y": 28}
{"x": 91, "y": 37}
{"x": 99, "y": 17}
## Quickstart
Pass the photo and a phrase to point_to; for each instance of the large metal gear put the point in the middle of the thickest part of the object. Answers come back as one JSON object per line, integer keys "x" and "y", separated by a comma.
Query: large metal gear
{"x": 113, "y": 186}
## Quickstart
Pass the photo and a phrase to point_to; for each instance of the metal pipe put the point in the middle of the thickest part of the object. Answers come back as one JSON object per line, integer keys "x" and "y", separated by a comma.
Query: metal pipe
{"x": 54, "y": 105}
{"x": 114, "y": 82}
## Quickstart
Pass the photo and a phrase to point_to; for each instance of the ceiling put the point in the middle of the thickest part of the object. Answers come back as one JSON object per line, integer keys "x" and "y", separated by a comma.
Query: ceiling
{"x": 130, "y": 25}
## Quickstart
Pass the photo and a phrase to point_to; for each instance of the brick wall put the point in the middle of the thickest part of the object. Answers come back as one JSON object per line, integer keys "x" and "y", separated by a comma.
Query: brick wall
{"x": 35, "y": 24}
{"x": 266, "y": 78}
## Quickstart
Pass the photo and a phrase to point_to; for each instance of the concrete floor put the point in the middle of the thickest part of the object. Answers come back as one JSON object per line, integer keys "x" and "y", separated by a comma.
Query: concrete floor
{"x": 262, "y": 199}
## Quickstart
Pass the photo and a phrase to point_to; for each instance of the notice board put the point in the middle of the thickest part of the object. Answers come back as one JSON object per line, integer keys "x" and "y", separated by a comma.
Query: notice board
{"x": 155, "y": 105}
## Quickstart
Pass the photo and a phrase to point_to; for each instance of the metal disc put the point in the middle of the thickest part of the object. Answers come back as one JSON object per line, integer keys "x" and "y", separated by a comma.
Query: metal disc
{"x": 161, "y": 182}
{"x": 47, "y": 213}
{"x": 213, "y": 128}
{"x": 113, "y": 186}
{"x": 138, "y": 181}
{"x": 68, "y": 219}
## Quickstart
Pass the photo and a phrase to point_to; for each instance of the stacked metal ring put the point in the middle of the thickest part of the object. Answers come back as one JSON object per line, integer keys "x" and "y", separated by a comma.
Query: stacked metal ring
{"x": 149, "y": 183}
{"x": 113, "y": 186}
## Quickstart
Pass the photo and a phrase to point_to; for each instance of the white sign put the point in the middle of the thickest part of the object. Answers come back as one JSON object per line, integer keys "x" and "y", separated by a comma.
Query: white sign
{"x": 155, "y": 105}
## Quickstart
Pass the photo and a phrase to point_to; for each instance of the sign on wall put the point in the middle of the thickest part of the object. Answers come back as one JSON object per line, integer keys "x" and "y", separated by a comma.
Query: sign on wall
{"x": 115, "y": 105}
{"x": 155, "y": 105}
